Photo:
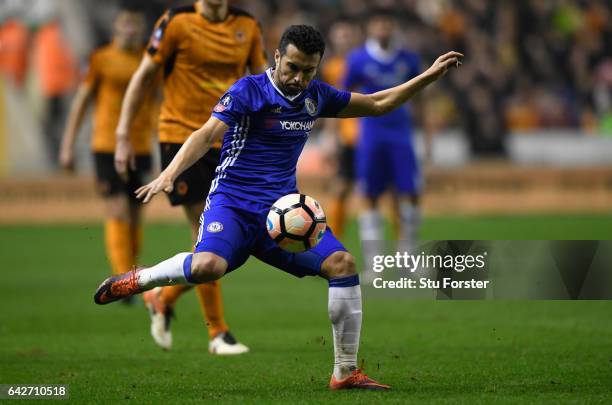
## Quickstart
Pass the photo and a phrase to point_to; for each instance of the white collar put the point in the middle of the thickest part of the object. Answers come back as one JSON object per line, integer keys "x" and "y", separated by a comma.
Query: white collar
{"x": 290, "y": 98}
{"x": 376, "y": 51}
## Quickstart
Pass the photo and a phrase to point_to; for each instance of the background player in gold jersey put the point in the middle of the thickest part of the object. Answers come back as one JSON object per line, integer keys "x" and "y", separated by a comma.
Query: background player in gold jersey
{"x": 344, "y": 35}
{"x": 202, "y": 49}
{"x": 107, "y": 78}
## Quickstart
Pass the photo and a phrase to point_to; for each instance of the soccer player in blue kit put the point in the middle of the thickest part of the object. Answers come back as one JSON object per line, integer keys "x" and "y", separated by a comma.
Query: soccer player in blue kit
{"x": 385, "y": 154}
{"x": 264, "y": 121}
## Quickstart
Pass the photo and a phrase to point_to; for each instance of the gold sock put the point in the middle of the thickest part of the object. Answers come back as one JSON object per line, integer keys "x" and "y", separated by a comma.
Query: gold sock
{"x": 211, "y": 303}
{"x": 337, "y": 217}
{"x": 117, "y": 235}
{"x": 170, "y": 294}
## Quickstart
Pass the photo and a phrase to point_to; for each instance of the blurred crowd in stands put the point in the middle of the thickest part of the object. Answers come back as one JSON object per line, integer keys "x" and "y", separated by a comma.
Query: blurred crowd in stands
{"x": 530, "y": 64}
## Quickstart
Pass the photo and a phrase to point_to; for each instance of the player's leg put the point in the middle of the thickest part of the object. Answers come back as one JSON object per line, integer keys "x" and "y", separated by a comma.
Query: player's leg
{"x": 372, "y": 176}
{"x": 208, "y": 265}
{"x": 135, "y": 181}
{"x": 118, "y": 233}
{"x": 170, "y": 295}
{"x": 408, "y": 212}
{"x": 184, "y": 268}
{"x": 330, "y": 260}
{"x": 408, "y": 184}
{"x": 160, "y": 315}
{"x": 165, "y": 298}
{"x": 223, "y": 246}
{"x": 343, "y": 185}
{"x": 117, "y": 229}
{"x": 191, "y": 189}
{"x": 209, "y": 294}
{"x": 160, "y": 301}
{"x": 175, "y": 270}
{"x": 136, "y": 228}
{"x": 344, "y": 307}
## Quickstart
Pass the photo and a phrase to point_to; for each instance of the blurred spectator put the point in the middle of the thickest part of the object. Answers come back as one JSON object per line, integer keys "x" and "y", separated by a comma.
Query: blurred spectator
{"x": 344, "y": 35}
{"x": 57, "y": 72}
{"x": 602, "y": 95}
{"x": 14, "y": 38}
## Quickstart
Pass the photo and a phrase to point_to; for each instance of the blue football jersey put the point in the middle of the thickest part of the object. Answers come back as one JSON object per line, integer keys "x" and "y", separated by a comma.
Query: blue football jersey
{"x": 368, "y": 71}
{"x": 267, "y": 132}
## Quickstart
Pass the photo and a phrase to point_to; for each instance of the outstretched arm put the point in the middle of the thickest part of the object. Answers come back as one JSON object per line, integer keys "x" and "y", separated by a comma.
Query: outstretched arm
{"x": 196, "y": 146}
{"x": 134, "y": 95}
{"x": 382, "y": 102}
{"x": 75, "y": 119}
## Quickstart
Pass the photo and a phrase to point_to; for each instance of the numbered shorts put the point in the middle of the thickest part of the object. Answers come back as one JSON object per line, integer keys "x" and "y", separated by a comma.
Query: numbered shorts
{"x": 387, "y": 162}
{"x": 236, "y": 234}
{"x": 109, "y": 183}
{"x": 191, "y": 186}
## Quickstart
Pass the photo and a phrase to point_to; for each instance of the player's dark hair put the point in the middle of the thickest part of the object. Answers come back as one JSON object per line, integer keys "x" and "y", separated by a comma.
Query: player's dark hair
{"x": 381, "y": 12}
{"x": 132, "y": 6}
{"x": 343, "y": 19}
{"x": 303, "y": 37}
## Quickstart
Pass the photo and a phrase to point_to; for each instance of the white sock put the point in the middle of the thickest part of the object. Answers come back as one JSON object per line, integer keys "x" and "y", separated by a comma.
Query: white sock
{"x": 168, "y": 272}
{"x": 344, "y": 307}
{"x": 371, "y": 235}
{"x": 410, "y": 221}
{"x": 370, "y": 225}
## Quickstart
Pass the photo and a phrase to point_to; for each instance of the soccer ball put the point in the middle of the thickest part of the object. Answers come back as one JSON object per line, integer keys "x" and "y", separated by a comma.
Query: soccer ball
{"x": 296, "y": 222}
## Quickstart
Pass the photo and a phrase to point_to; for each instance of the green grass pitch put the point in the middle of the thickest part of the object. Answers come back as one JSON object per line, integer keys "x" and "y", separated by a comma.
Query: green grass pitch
{"x": 430, "y": 352}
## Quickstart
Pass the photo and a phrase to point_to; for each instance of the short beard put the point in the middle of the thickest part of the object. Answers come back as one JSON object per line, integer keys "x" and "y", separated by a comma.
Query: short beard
{"x": 289, "y": 92}
{"x": 281, "y": 85}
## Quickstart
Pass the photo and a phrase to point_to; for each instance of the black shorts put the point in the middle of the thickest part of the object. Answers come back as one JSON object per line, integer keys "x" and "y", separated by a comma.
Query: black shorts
{"x": 191, "y": 186}
{"x": 108, "y": 181}
{"x": 346, "y": 162}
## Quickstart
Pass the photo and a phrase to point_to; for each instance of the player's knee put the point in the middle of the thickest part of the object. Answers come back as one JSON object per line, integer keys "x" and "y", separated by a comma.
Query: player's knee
{"x": 338, "y": 265}
{"x": 207, "y": 267}
{"x": 117, "y": 208}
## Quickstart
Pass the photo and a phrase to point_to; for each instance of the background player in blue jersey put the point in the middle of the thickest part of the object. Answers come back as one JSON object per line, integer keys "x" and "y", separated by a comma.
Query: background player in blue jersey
{"x": 385, "y": 156}
{"x": 264, "y": 121}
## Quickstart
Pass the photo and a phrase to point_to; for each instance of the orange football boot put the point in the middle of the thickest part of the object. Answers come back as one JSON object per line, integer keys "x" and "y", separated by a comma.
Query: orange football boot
{"x": 118, "y": 287}
{"x": 357, "y": 379}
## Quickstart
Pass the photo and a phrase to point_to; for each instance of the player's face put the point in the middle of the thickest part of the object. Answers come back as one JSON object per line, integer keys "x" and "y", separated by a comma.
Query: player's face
{"x": 295, "y": 69}
{"x": 129, "y": 29}
{"x": 381, "y": 28}
{"x": 215, "y": 3}
{"x": 343, "y": 37}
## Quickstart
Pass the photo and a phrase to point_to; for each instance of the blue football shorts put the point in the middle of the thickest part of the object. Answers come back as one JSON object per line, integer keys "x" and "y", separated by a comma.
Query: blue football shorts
{"x": 235, "y": 234}
{"x": 387, "y": 161}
